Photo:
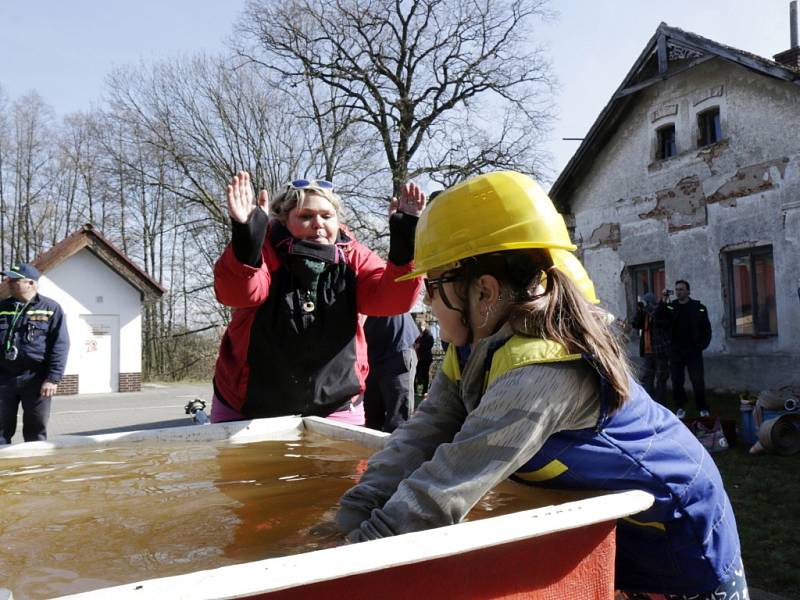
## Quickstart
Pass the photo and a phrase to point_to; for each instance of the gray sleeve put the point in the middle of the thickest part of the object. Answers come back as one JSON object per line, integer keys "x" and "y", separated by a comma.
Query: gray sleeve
{"x": 518, "y": 412}
{"x": 435, "y": 422}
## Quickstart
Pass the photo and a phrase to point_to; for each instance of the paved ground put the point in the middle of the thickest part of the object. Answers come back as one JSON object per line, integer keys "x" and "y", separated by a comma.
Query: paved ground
{"x": 157, "y": 405}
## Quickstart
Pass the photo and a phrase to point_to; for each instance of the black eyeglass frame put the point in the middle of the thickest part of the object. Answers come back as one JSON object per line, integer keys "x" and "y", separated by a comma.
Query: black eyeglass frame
{"x": 431, "y": 285}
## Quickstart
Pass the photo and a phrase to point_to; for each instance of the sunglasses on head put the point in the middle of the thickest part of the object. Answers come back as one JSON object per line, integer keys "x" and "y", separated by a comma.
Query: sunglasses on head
{"x": 299, "y": 184}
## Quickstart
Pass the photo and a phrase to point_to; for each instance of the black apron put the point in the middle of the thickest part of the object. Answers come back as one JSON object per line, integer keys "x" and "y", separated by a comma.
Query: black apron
{"x": 302, "y": 353}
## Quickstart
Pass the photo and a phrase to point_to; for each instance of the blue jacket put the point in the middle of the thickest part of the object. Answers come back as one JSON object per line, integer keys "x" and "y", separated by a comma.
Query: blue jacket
{"x": 687, "y": 541}
{"x": 389, "y": 336}
{"x": 40, "y": 336}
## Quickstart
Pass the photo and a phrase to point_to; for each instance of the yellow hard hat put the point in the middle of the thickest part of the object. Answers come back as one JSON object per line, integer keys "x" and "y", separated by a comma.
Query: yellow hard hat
{"x": 568, "y": 263}
{"x": 497, "y": 211}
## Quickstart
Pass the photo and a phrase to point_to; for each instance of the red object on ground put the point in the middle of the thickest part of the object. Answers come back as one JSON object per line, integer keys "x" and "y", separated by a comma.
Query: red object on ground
{"x": 728, "y": 426}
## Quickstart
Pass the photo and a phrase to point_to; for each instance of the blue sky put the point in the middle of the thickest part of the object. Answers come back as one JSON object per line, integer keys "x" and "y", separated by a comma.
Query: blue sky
{"x": 65, "y": 48}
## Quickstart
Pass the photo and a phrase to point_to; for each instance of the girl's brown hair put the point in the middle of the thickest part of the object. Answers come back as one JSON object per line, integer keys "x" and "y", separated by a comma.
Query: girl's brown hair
{"x": 545, "y": 303}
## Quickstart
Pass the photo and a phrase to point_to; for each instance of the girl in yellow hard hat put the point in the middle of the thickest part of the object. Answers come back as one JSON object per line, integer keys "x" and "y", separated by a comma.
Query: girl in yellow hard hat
{"x": 540, "y": 393}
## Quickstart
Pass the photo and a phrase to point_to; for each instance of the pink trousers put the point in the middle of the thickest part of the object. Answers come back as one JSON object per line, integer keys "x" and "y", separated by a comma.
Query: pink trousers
{"x": 221, "y": 412}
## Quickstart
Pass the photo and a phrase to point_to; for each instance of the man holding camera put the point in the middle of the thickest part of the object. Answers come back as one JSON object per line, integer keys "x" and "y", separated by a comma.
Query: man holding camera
{"x": 35, "y": 341}
{"x": 691, "y": 334}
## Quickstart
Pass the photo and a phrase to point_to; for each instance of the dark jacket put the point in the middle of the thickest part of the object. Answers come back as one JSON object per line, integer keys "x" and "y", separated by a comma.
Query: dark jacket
{"x": 658, "y": 327}
{"x": 424, "y": 347}
{"x": 699, "y": 327}
{"x": 40, "y": 336}
{"x": 389, "y": 336}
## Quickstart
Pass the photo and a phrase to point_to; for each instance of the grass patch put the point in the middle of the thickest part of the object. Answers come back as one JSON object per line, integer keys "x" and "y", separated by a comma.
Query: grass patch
{"x": 765, "y": 492}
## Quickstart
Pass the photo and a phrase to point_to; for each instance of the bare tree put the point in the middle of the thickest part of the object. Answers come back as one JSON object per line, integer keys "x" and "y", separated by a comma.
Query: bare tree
{"x": 362, "y": 92}
{"x": 32, "y": 153}
{"x": 209, "y": 122}
{"x": 450, "y": 87}
{"x": 5, "y": 143}
{"x": 174, "y": 134}
{"x": 101, "y": 168}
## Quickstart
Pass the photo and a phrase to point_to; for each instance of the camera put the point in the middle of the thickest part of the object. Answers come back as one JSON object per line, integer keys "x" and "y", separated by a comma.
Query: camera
{"x": 667, "y": 293}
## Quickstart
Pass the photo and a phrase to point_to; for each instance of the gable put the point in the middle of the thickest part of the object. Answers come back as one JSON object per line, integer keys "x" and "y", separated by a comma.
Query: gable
{"x": 94, "y": 286}
{"x": 669, "y": 53}
{"x": 87, "y": 237}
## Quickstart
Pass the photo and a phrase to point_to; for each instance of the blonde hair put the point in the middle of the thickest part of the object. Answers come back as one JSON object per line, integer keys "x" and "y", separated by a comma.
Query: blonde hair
{"x": 545, "y": 303}
{"x": 292, "y": 197}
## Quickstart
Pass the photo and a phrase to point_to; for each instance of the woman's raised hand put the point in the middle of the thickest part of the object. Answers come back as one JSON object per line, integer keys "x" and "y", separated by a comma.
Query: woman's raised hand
{"x": 411, "y": 201}
{"x": 240, "y": 198}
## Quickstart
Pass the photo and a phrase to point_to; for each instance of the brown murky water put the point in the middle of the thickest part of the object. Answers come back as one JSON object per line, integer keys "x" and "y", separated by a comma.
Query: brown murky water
{"x": 78, "y": 521}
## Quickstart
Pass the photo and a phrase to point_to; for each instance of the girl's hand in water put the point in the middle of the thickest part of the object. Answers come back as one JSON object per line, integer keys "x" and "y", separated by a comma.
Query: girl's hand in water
{"x": 327, "y": 535}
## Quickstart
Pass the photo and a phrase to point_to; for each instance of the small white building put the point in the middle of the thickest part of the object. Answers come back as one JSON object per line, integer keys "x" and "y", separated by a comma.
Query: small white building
{"x": 692, "y": 171}
{"x": 101, "y": 292}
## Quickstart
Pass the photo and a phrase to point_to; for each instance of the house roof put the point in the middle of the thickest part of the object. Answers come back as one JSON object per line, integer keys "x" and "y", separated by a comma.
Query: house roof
{"x": 90, "y": 238}
{"x": 669, "y": 52}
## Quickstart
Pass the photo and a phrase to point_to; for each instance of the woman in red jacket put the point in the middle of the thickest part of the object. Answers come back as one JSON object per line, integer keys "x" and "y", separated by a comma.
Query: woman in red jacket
{"x": 297, "y": 281}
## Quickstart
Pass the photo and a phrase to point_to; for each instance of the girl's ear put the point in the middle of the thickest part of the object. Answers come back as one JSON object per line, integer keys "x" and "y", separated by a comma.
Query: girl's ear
{"x": 488, "y": 288}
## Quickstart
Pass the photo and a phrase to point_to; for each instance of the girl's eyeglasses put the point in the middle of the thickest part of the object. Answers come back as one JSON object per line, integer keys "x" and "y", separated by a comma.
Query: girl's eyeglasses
{"x": 431, "y": 284}
{"x": 299, "y": 184}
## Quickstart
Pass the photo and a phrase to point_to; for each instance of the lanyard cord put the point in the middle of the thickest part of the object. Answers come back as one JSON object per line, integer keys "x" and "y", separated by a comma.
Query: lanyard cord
{"x": 11, "y": 330}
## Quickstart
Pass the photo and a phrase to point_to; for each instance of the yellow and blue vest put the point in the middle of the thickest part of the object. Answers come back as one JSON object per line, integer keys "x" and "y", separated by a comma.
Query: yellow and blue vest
{"x": 687, "y": 542}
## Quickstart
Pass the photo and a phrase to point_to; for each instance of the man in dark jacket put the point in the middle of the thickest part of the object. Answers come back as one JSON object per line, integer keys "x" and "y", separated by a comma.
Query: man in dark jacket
{"x": 389, "y": 394}
{"x": 35, "y": 342}
{"x": 691, "y": 334}
{"x": 424, "y": 347}
{"x": 654, "y": 341}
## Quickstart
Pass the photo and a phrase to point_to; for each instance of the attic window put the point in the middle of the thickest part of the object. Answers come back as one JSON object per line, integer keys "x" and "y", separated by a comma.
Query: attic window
{"x": 709, "y": 128}
{"x": 665, "y": 138}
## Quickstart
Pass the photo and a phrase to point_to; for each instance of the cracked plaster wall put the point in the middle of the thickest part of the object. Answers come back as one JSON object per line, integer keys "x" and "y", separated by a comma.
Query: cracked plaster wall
{"x": 631, "y": 209}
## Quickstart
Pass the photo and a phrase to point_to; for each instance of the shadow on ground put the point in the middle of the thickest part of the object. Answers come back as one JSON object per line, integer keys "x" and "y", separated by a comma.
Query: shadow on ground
{"x": 138, "y": 427}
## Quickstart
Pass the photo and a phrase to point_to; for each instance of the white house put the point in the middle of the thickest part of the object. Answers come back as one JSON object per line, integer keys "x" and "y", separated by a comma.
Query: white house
{"x": 692, "y": 171}
{"x": 101, "y": 292}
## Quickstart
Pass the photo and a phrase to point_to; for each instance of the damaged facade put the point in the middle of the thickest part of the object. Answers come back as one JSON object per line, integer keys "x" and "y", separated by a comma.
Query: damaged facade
{"x": 692, "y": 171}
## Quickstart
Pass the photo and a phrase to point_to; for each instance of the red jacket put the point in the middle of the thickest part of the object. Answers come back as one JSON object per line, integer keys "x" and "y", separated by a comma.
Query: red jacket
{"x": 255, "y": 336}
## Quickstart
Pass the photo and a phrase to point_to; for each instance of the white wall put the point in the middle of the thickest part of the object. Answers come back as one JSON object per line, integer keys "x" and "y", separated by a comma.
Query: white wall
{"x": 83, "y": 284}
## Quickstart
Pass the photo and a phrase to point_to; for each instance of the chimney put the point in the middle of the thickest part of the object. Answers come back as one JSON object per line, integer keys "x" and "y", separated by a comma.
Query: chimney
{"x": 791, "y": 57}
